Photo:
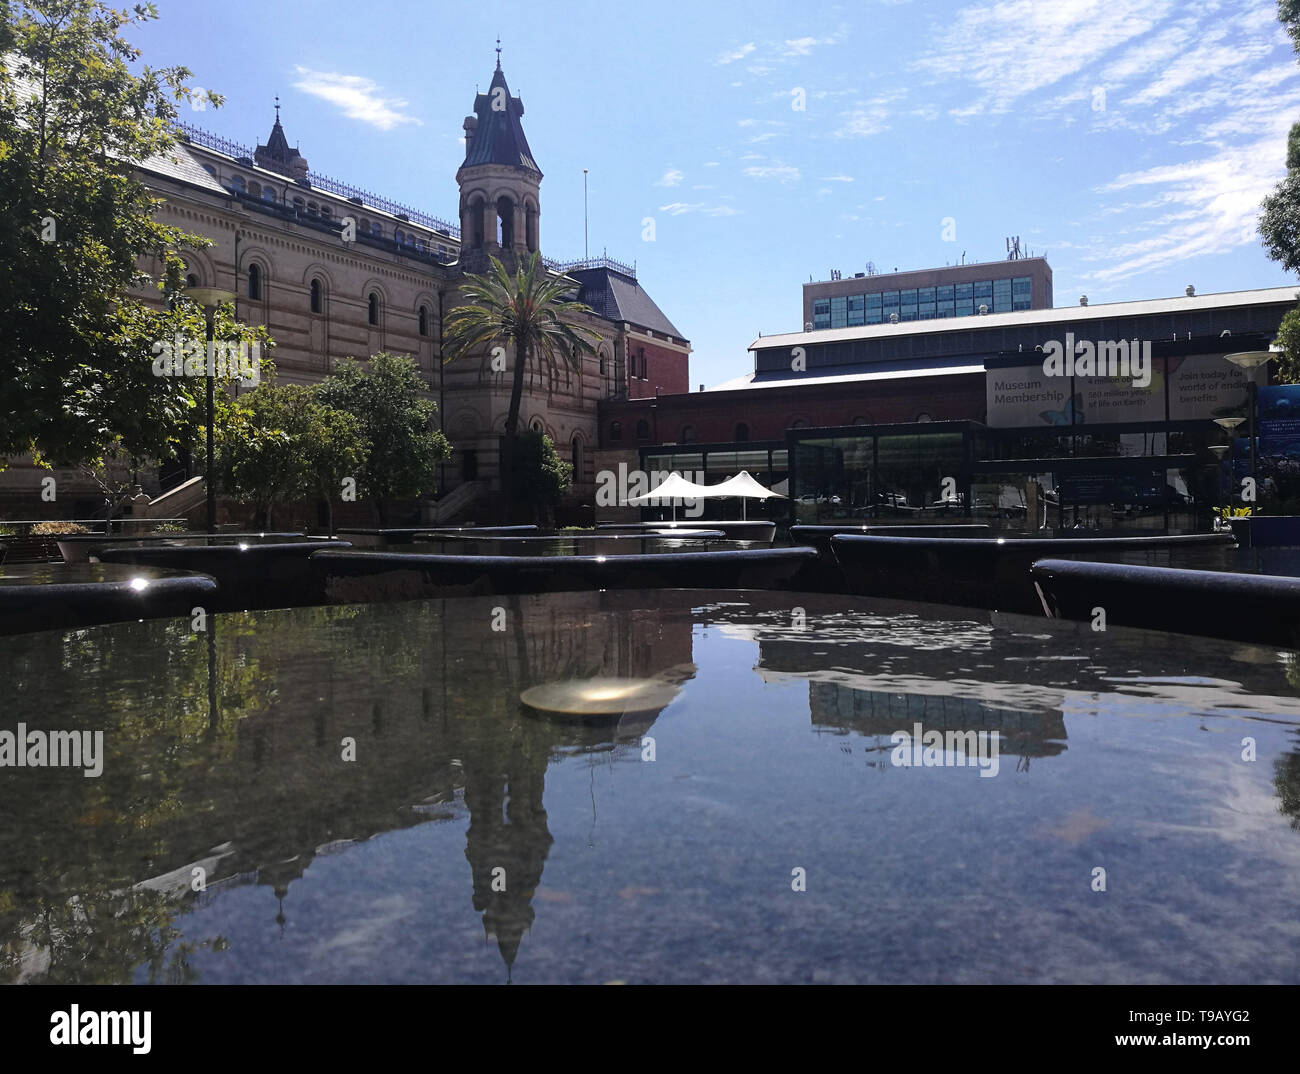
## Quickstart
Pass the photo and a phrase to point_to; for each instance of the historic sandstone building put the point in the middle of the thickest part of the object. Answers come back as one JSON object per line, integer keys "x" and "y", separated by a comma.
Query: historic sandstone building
{"x": 335, "y": 272}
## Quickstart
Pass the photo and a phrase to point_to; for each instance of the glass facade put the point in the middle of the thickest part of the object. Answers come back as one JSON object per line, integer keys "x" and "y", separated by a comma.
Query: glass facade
{"x": 925, "y": 303}
{"x": 1149, "y": 476}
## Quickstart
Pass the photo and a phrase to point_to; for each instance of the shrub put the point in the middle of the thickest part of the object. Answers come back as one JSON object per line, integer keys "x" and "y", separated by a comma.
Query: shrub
{"x": 169, "y": 527}
{"x": 55, "y": 529}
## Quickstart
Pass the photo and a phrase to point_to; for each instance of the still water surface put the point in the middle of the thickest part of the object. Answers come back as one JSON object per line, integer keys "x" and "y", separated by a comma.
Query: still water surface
{"x": 225, "y": 751}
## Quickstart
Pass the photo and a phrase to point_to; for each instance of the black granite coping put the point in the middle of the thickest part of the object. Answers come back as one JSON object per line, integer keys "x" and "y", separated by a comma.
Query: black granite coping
{"x": 983, "y": 572}
{"x": 1217, "y": 604}
{"x": 54, "y": 596}
{"x": 250, "y": 576}
{"x": 363, "y": 576}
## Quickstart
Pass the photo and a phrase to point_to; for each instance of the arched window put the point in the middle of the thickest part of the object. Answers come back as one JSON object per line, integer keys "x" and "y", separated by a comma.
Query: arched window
{"x": 365, "y": 226}
{"x": 372, "y": 308}
{"x": 254, "y": 281}
{"x": 924, "y": 417}
{"x": 688, "y": 434}
{"x": 316, "y": 301}
{"x": 424, "y": 320}
{"x": 313, "y": 209}
{"x": 325, "y": 212}
{"x": 575, "y": 456}
{"x": 398, "y": 236}
{"x": 645, "y": 372}
{"x": 254, "y": 189}
{"x": 237, "y": 183}
{"x": 615, "y": 430}
{"x": 299, "y": 205}
{"x": 602, "y": 363}
{"x": 643, "y": 430}
{"x": 537, "y": 426}
{"x": 377, "y": 230}
{"x": 505, "y": 222}
{"x": 210, "y": 170}
{"x": 476, "y": 223}
{"x": 742, "y": 432}
{"x": 191, "y": 280}
{"x": 268, "y": 194}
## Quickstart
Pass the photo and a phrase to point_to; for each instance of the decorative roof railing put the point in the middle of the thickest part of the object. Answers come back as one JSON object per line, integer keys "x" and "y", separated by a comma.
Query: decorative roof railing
{"x": 236, "y": 150}
{"x": 590, "y": 263}
{"x": 324, "y": 182}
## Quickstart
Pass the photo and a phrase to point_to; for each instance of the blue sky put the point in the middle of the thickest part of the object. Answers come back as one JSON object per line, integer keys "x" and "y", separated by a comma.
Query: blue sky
{"x": 1128, "y": 140}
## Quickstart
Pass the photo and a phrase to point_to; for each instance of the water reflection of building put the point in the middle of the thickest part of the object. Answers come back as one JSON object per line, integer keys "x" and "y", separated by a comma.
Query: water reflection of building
{"x": 872, "y": 713}
{"x": 429, "y": 692}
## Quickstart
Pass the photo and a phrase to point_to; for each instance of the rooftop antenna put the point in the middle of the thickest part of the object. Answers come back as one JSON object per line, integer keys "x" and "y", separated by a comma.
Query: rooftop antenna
{"x": 277, "y": 108}
{"x": 498, "y": 52}
{"x": 584, "y": 214}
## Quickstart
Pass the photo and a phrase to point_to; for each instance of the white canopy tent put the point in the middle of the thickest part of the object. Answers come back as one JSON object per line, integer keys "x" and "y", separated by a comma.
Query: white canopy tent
{"x": 744, "y": 486}
{"x": 676, "y": 487}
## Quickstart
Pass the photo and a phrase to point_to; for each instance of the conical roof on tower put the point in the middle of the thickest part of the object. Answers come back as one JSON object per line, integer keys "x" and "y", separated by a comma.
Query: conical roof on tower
{"x": 276, "y": 155}
{"x": 498, "y": 136}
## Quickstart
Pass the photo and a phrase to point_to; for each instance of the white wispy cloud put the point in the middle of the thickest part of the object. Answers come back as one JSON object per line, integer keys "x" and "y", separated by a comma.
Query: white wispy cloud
{"x": 678, "y": 208}
{"x": 864, "y": 119}
{"x": 356, "y": 97}
{"x": 1210, "y": 205}
{"x": 837, "y": 178}
{"x": 1011, "y": 49}
{"x": 736, "y": 54}
{"x": 672, "y": 177}
{"x": 786, "y": 173}
{"x": 803, "y": 46}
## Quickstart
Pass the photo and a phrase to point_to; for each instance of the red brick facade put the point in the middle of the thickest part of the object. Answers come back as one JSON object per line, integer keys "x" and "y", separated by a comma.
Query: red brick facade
{"x": 655, "y": 367}
{"x": 714, "y": 417}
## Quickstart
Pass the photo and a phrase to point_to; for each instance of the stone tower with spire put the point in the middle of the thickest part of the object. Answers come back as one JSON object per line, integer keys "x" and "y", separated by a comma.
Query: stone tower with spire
{"x": 276, "y": 155}
{"x": 499, "y": 180}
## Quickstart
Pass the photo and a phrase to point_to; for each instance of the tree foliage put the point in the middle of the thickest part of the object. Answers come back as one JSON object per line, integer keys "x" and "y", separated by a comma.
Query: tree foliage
{"x": 540, "y": 478}
{"x": 403, "y": 449}
{"x": 80, "y": 245}
{"x": 279, "y": 444}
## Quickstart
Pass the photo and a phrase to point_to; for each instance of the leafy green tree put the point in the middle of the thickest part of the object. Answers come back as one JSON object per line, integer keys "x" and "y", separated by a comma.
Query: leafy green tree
{"x": 527, "y": 313}
{"x": 257, "y": 448}
{"x": 76, "y": 337}
{"x": 403, "y": 449}
{"x": 279, "y": 444}
{"x": 1288, "y": 337}
{"x": 1279, "y": 222}
{"x": 334, "y": 447}
{"x": 540, "y": 478}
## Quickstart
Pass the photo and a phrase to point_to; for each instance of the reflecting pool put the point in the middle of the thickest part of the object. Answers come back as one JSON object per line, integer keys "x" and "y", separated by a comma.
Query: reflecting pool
{"x": 361, "y": 794}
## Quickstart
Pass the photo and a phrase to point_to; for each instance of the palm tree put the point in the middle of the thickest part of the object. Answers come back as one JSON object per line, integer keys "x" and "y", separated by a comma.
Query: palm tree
{"x": 528, "y": 310}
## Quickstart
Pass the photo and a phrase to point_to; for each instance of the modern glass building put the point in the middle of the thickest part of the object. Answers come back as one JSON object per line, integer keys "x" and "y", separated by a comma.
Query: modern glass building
{"x": 928, "y": 294}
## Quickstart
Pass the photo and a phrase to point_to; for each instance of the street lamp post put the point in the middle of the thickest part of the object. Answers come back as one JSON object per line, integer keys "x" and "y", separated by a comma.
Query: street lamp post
{"x": 210, "y": 298}
{"x": 1248, "y": 362}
